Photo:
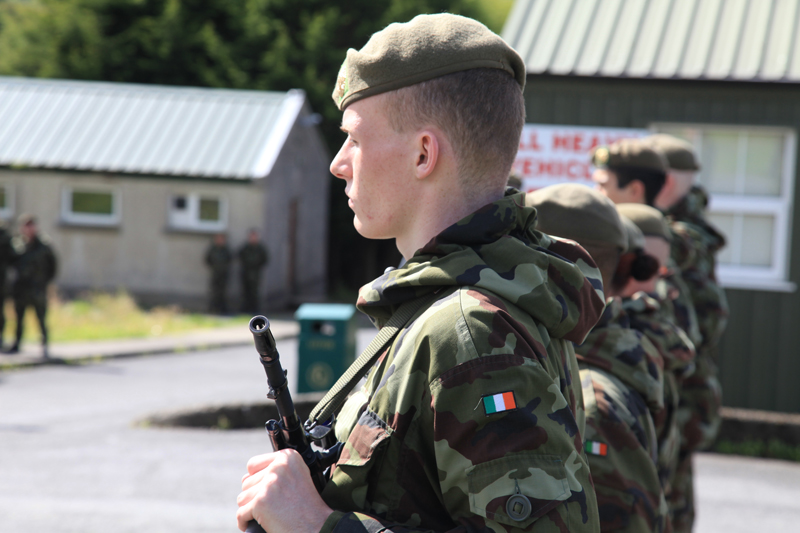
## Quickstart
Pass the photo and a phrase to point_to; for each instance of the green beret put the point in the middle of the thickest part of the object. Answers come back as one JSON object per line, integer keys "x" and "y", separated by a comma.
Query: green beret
{"x": 634, "y": 235}
{"x": 427, "y": 47}
{"x": 579, "y": 213}
{"x": 648, "y": 219}
{"x": 631, "y": 154}
{"x": 679, "y": 154}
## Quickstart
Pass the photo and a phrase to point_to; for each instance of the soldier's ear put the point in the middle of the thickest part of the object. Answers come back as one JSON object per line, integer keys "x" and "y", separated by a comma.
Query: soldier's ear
{"x": 636, "y": 189}
{"x": 427, "y": 153}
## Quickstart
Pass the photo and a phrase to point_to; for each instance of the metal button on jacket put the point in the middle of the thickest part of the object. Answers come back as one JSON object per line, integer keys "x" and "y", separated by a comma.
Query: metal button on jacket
{"x": 518, "y": 507}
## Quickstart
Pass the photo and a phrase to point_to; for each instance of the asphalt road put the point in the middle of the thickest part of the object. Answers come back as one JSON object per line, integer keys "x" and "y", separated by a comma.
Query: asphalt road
{"x": 72, "y": 458}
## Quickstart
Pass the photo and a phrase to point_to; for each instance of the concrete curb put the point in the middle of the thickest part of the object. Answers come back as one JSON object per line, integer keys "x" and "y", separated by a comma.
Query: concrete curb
{"x": 743, "y": 425}
{"x": 238, "y": 416}
{"x": 738, "y": 425}
{"x": 92, "y": 352}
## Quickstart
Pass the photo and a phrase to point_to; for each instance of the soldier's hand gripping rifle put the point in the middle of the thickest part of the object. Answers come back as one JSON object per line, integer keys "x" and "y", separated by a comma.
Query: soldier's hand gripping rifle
{"x": 287, "y": 431}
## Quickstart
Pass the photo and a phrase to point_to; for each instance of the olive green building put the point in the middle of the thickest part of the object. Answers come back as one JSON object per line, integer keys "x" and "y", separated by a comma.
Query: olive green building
{"x": 724, "y": 75}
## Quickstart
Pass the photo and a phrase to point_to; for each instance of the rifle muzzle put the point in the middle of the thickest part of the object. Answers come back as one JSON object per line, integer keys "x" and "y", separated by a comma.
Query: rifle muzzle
{"x": 262, "y": 336}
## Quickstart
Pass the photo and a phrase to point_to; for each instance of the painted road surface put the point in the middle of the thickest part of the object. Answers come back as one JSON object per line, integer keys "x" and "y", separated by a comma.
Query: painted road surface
{"x": 72, "y": 458}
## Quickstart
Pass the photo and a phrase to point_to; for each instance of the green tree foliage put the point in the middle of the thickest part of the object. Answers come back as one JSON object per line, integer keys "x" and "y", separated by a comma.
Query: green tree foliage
{"x": 245, "y": 44}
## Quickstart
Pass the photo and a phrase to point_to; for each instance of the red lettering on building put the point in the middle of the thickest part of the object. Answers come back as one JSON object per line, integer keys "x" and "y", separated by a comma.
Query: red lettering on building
{"x": 531, "y": 143}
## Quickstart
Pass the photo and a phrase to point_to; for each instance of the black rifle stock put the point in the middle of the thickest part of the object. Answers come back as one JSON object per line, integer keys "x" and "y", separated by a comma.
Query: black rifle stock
{"x": 287, "y": 431}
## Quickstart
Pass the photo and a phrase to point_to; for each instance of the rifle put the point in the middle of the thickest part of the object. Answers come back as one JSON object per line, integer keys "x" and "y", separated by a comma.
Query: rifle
{"x": 287, "y": 431}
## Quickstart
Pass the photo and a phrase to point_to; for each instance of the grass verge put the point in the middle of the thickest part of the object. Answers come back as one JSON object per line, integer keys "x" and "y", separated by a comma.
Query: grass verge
{"x": 104, "y": 316}
{"x": 772, "y": 449}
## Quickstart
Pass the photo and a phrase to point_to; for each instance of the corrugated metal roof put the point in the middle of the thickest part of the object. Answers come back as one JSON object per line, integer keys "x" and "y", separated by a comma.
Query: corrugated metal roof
{"x": 143, "y": 129}
{"x": 740, "y": 40}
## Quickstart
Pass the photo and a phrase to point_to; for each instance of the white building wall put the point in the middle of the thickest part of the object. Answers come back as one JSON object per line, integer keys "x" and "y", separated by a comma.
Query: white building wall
{"x": 142, "y": 253}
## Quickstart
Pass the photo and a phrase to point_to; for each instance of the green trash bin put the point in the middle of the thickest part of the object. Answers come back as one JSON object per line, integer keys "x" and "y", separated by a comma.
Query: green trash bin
{"x": 327, "y": 344}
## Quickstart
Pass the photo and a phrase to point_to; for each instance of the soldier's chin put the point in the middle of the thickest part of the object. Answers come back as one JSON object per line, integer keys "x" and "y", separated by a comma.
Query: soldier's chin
{"x": 366, "y": 230}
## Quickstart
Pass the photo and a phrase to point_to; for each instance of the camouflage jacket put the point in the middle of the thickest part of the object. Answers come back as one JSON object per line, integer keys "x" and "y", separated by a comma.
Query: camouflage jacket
{"x": 648, "y": 316}
{"x": 35, "y": 263}
{"x": 252, "y": 258}
{"x": 674, "y": 297}
{"x": 472, "y": 413}
{"x": 694, "y": 246}
{"x": 621, "y": 375}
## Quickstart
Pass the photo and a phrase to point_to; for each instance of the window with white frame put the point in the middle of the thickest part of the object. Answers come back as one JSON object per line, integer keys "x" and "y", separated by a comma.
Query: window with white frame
{"x": 6, "y": 200}
{"x": 199, "y": 212}
{"x": 93, "y": 206}
{"x": 749, "y": 174}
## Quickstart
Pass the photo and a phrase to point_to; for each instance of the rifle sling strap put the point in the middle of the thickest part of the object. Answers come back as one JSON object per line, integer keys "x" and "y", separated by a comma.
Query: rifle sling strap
{"x": 336, "y": 397}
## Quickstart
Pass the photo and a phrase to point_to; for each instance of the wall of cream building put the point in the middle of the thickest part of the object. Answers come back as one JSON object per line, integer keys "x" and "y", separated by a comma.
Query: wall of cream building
{"x": 142, "y": 253}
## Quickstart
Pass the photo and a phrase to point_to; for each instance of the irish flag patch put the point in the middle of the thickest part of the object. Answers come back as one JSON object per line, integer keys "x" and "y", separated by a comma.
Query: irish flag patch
{"x": 596, "y": 448}
{"x": 497, "y": 403}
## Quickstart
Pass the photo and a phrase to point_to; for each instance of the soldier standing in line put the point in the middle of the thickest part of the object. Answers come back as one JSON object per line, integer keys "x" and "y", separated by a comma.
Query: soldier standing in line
{"x": 631, "y": 171}
{"x": 620, "y": 369}
{"x": 470, "y": 418}
{"x": 648, "y": 231}
{"x": 7, "y": 256}
{"x": 253, "y": 257}
{"x": 698, "y": 303}
{"x": 35, "y": 264}
{"x": 695, "y": 245}
{"x": 218, "y": 259}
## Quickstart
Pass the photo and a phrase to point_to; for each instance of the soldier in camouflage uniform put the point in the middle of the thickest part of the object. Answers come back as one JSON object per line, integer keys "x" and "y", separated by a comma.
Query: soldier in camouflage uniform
{"x": 253, "y": 258}
{"x": 648, "y": 231}
{"x": 621, "y": 371}
{"x": 7, "y": 256}
{"x": 694, "y": 246}
{"x": 35, "y": 264}
{"x": 218, "y": 259}
{"x": 634, "y": 171}
{"x": 470, "y": 419}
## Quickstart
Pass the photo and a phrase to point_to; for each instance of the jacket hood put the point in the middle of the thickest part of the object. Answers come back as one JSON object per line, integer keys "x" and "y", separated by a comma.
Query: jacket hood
{"x": 498, "y": 249}
{"x": 691, "y": 210}
{"x": 626, "y": 353}
{"x": 647, "y": 315}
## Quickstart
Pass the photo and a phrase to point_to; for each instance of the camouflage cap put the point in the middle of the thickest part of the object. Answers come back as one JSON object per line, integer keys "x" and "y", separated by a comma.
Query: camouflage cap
{"x": 427, "y": 47}
{"x": 678, "y": 153}
{"x": 631, "y": 154}
{"x": 648, "y": 219}
{"x": 579, "y": 213}
{"x": 634, "y": 235}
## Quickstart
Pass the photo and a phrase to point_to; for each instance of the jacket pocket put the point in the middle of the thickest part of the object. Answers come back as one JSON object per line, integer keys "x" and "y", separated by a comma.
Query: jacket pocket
{"x": 357, "y": 464}
{"x": 517, "y": 489}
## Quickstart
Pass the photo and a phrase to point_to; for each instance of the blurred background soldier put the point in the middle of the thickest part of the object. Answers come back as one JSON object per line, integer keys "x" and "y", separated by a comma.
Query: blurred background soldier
{"x": 620, "y": 369}
{"x": 634, "y": 171}
{"x": 253, "y": 257}
{"x": 35, "y": 264}
{"x": 6, "y": 258}
{"x": 218, "y": 260}
{"x": 695, "y": 244}
{"x": 649, "y": 313}
{"x": 628, "y": 171}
